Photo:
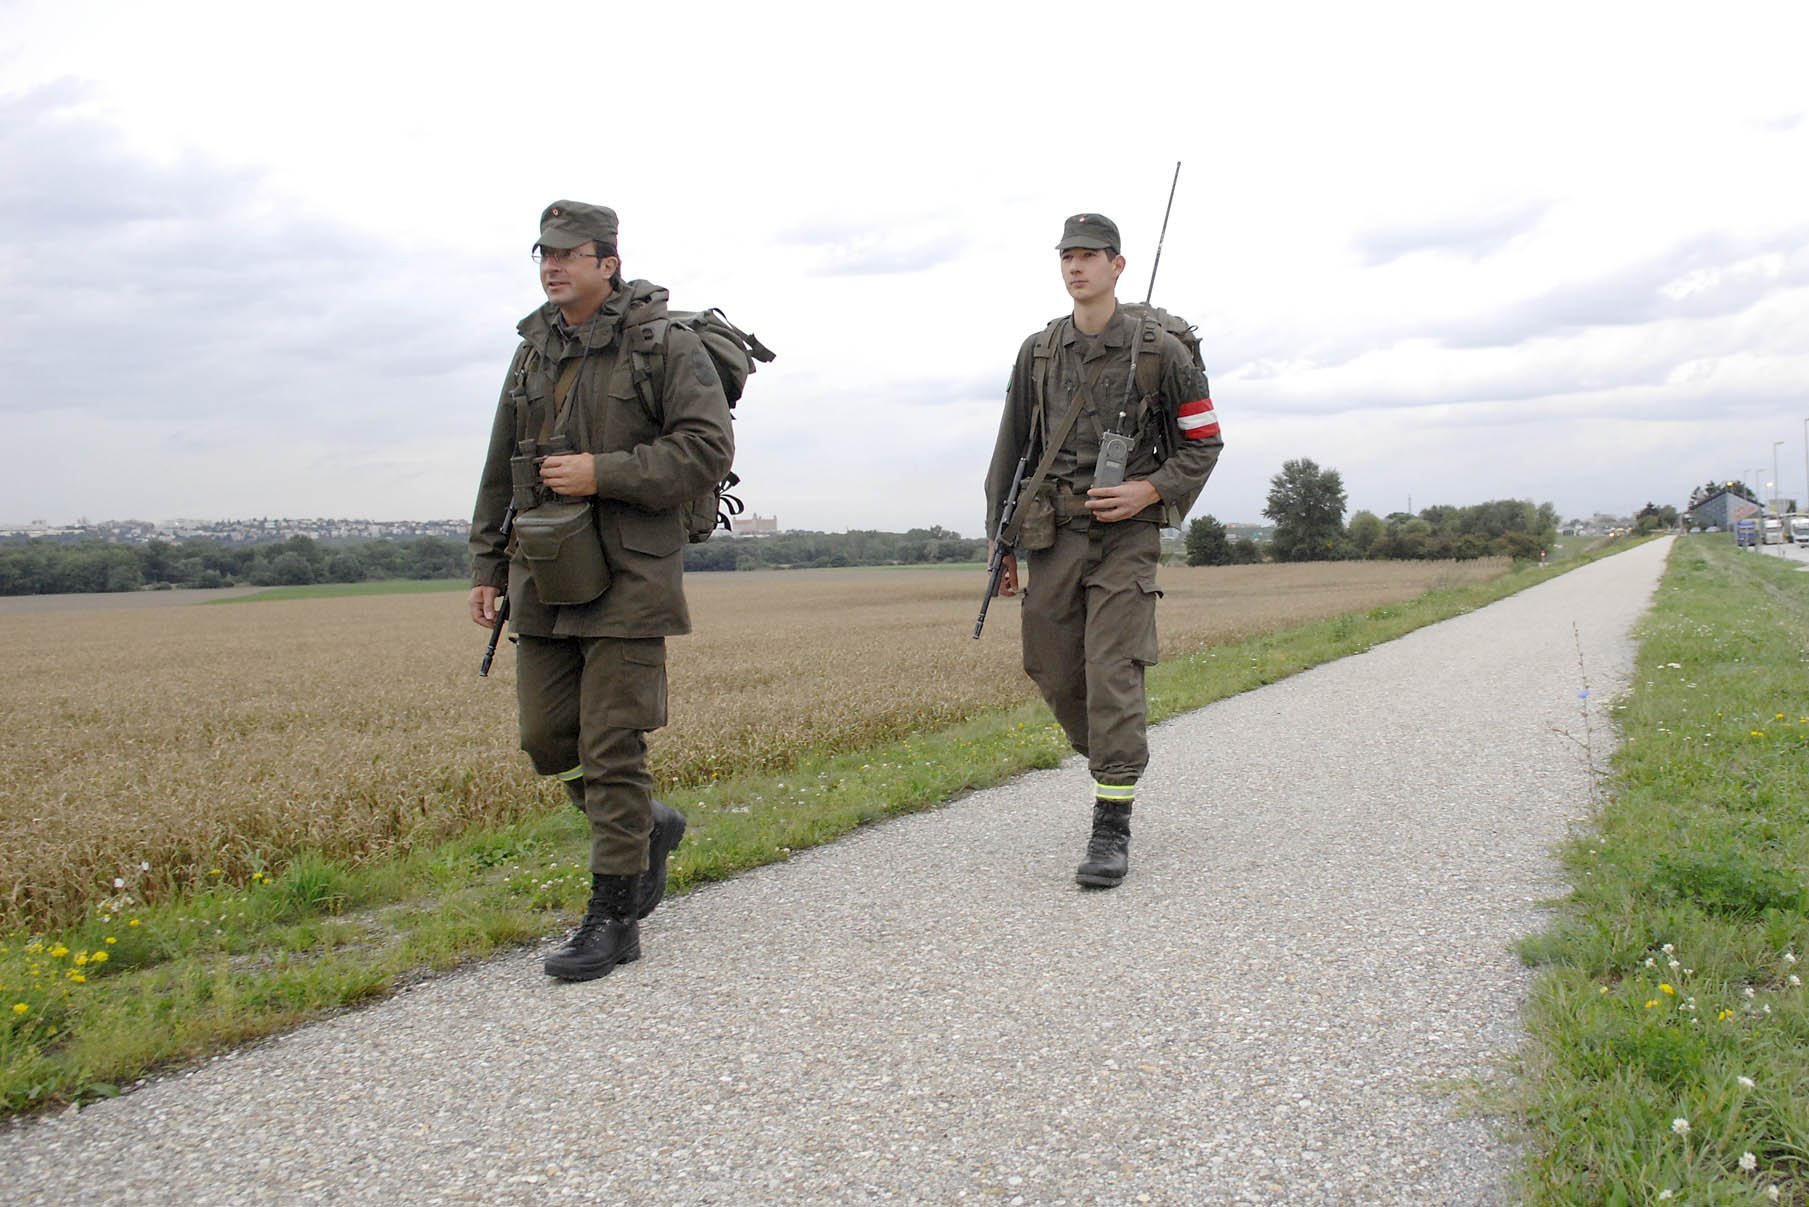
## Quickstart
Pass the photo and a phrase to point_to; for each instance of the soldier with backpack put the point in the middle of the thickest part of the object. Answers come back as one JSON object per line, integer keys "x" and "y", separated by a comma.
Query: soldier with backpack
{"x": 613, "y": 423}
{"x": 1114, "y": 412}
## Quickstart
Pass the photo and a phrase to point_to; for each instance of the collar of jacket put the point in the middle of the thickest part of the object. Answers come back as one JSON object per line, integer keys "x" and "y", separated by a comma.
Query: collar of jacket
{"x": 546, "y": 331}
{"x": 1117, "y": 331}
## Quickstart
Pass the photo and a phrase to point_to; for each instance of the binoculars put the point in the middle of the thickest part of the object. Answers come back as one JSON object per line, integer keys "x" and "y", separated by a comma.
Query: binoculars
{"x": 524, "y": 470}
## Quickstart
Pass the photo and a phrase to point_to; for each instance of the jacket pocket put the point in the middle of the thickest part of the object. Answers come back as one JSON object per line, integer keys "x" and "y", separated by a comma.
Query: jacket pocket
{"x": 654, "y": 533}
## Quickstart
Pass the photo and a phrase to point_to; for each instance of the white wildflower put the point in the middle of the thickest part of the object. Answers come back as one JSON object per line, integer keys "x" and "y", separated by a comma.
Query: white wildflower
{"x": 1680, "y": 1126}
{"x": 1746, "y": 1083}
{"x": 1748, "y": 1162}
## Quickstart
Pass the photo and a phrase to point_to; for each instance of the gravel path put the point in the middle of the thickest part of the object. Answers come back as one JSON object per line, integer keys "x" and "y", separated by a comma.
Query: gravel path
{"x": 1311, "y": 955}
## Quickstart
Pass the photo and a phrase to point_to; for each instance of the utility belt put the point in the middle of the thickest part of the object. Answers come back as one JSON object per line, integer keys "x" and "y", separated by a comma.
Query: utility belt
{"x": 1072, "y": 505}
{"x": 1055, "y": 504}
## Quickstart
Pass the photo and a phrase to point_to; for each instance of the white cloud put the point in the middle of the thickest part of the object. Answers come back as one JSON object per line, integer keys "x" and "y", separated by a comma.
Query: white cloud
{"x": 259, "y": 261}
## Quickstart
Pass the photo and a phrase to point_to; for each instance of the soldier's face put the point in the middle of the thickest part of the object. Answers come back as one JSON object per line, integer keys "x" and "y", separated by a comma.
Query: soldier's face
{"x": 578, "y": 283}
{"x": 1090, "y": 274}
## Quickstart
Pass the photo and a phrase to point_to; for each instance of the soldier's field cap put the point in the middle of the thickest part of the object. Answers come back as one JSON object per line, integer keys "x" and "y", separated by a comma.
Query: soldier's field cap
{"x": 1089, "y": 230}
{"x": 568, "y": 224}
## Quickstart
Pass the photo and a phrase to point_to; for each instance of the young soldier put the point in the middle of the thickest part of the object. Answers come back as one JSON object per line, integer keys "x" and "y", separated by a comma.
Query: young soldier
{"x": 1089, "y": 619}
{"x": 598, "y": 480}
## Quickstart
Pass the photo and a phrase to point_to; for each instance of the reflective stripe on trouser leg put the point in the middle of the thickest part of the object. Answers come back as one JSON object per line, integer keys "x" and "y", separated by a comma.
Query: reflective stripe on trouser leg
{"x": 1118, "y": 794}
{"x": 576, "y": 773}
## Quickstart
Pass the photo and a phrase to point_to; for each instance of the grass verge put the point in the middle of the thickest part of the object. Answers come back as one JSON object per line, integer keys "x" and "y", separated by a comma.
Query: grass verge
{"x": 86, "y": 1011}
{"x": 1670, "y": 1050}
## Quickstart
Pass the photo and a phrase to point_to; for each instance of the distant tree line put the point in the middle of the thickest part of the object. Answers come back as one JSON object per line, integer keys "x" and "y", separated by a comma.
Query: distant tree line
{"x": 54, "y": 568}
{"x": 51, "y": 568}
{"x": 816, "y": 550}
{"x": 1307, "y": 505}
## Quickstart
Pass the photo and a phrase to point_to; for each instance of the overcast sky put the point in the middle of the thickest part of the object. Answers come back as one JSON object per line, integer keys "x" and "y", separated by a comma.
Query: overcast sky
{"x": 268, "y": 261}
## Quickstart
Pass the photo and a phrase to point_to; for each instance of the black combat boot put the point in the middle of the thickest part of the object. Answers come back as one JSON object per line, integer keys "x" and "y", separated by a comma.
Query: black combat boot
{"x": 1109, "y": 850}
{"x": 609, "y": 934}
{"x": 668, "y": 828}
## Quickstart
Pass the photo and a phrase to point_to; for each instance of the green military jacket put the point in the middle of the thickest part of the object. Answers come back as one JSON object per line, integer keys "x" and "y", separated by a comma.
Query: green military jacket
{"x": 649, "y": 461}
{"x": 1185, "y": 409}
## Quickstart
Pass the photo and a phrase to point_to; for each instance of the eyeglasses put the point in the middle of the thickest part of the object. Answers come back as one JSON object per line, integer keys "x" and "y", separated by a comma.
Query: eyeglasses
{"x": 560, "y": 255}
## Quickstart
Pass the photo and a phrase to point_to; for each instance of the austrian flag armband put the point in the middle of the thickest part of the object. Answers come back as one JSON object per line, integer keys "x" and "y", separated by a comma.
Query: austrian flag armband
{"x": 1197, "y": 420}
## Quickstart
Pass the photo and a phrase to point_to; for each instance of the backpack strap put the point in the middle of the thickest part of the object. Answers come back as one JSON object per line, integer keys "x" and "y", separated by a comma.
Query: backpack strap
{"x": 646, "y": 344}
{"x": 1146, "y": 356}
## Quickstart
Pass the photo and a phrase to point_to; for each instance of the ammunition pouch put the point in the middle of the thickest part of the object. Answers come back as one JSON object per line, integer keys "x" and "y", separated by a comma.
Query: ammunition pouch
{"x": 564, "y": 551}
{"x": 1036, "y": 520}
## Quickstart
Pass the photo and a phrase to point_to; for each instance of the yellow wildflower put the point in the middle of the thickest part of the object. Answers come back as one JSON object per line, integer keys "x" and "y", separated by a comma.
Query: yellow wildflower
{"x": 21, "y": 1008}
{"x": 111, "y": 940}
{"x": 99, "y": 957}
{"x": 133, "y": 922}
{"x": 1667, "y": 989}
{"x": 81, "y": 957}
{"x": 1651, "y": 1004}
{"x": 77, "y": 977}
{"x": 58, "y": 952}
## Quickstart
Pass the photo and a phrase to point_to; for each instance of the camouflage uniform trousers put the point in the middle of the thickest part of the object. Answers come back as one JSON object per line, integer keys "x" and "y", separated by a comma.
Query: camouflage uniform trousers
{"x": 1089, "y": 624}
{"x": 586, "y": 705}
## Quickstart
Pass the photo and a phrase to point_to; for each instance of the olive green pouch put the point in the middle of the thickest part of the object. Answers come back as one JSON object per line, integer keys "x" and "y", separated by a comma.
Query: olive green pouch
{"x": 564, "y": 553}
{"x": 1037, "y": 531}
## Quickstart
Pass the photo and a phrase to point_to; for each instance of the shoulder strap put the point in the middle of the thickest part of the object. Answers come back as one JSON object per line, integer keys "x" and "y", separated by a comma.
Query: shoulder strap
{"x": 1042, "y": 361}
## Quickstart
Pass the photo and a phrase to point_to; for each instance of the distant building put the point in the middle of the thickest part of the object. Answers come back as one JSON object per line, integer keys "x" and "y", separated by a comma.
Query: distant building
{"x": 1720, "y": 509}
{"x": 757, "y": 525}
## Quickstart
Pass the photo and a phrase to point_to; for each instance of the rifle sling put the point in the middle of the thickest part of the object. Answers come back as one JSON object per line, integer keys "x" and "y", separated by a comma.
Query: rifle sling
{"x": 1082, "y": 397}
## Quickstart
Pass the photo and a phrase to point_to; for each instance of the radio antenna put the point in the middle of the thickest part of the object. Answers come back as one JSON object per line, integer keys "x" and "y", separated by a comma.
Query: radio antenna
{"x": 1164, "y": 235}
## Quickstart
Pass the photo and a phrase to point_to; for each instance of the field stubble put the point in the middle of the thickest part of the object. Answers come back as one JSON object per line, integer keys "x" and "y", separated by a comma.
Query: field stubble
{"x": 175, "y": 747}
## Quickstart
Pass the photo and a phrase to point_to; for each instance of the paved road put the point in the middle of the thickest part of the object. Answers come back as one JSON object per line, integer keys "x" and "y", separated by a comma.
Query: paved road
{"x": 1311, "y": 954}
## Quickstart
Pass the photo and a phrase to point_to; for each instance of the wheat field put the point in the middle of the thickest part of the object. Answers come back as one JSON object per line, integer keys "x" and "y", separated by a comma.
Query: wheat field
{"x": 178, "y": 745}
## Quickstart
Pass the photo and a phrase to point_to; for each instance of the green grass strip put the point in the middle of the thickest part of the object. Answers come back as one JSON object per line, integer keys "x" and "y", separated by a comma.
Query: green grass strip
{"x": 1670, "y": 1051}
{"x": 87, "y": 1011}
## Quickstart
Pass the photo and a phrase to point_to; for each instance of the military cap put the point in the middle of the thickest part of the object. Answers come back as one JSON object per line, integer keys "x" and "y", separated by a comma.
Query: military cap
{"x": 1089, "y": 230}
{"x": 568, "y": 224}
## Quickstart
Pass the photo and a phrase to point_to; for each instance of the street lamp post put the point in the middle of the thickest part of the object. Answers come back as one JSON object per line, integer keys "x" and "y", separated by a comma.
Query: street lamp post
{"x": 1775, "y": 446}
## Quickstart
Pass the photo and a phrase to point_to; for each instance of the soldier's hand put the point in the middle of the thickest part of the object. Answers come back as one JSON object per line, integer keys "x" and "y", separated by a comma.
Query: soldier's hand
{"x": 572, "y": 474}
{"x": 1008, "y": 579}
{"x": 1121, "y": 502}
{"x": 482, "y": 602}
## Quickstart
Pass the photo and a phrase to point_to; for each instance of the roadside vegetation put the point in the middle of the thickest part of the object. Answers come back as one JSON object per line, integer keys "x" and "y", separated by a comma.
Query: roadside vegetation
{"x": 1670, "y": 1054}
{"x": 168, "y": 954}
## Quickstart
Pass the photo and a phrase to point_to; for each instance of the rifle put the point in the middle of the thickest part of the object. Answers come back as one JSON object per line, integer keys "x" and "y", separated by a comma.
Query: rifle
{"x": 502, "y": 605}
{"x": 995, "y": 566}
